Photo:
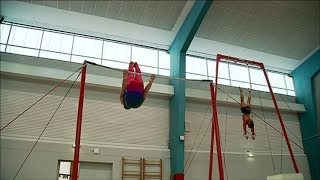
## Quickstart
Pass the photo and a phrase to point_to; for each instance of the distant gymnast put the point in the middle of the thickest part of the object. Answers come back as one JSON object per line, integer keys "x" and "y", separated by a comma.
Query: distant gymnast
{"x": 133, "y": 93}
{"x": 246, "y": 111}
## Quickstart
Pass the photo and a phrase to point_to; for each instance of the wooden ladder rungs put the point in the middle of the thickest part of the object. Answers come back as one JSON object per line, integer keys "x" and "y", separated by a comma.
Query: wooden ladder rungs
{"x": 152, "y": 175}
{"x": 152, "y": 164}
{"x": 132, "y": 172}
{"x": 132, "y": 175}
{"x": 131, "y": 163}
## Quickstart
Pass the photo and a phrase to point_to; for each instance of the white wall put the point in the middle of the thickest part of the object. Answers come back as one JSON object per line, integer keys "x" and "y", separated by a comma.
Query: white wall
{"x": 94, "y": 171}
{"x": 234, "y": 146}
{"x": 140, "y": 133}
{"x": 43, "y": 162}
{"x": 118, "y": 133}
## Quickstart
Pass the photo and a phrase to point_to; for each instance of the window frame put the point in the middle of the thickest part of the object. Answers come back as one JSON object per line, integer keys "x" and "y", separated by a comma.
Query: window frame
{"x": 38, "y": 44}
{"x": 55, "y": 51}
{"x": 159, "y": 68}
{"x": 142, "y": 63}
{"x": 115, "y": 60}
{"x": 92, "y": 53}
{"x": 195, "y": 58}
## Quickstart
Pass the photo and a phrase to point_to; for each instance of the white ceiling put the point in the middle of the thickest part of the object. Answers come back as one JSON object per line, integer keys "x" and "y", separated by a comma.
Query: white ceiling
{"x": 284, "y": 28}
{"x": 287, "y": 30}
{"x": 158, "y": 14}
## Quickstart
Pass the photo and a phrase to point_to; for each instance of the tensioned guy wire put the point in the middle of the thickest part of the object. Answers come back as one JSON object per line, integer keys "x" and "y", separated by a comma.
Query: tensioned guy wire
{"x": 39, "y": 100}
{"x": 198, "y": 132}
{"x": 148, "y": 74}
{"x": 262, "y": 119}
{"x": 46, "y": 126}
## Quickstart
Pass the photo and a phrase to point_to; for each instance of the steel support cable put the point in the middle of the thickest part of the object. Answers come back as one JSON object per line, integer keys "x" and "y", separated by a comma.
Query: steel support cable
{"x": 285, "y": 125}
{"x": 39, "y": 99}
{"x": 148, "y": 74}
{"x": 270, "y": 125}
{"x": 170, "y": 78}
{"x": 198, "y": 147}
{"x": 274, "y": 170}
{"x": 46, "y": 126}
{"x": 262, "y": 119}
{"x": 198, "y": 132}
{"x": 306, "y": 148}
{"x": 301, "y": 140}
{"x": 317, "y": 135}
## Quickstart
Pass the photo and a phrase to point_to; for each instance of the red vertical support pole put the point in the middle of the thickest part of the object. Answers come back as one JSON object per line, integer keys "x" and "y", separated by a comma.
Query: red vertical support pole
{"x": 216, "y": 123}
{"x": 212, "y": 133}
{"x": 79, "y": 121}
{"x": 217, "y": 70}
{"x": 280, "y": 119}
{"x": 213, "y": 126}
{"x": 217, "y": 132}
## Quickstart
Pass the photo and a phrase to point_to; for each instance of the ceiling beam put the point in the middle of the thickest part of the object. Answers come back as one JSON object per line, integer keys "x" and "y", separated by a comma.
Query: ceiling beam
{"x": 190, "y": 26}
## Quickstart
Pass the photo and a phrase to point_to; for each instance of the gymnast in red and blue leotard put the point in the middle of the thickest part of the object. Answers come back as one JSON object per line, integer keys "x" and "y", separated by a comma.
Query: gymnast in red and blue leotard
{"x": 133, "y": 93}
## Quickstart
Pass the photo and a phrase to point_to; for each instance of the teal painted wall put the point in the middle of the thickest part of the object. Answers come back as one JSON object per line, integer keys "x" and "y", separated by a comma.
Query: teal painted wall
{"x": 177, "y": 113}
{"x": 177, "y": 52}
{"x": 316, "y": 84}
{"x": 305, "y": 92}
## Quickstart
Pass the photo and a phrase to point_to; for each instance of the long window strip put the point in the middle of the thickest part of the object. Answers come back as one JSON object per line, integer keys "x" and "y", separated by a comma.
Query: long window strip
{"x": 86, "y": 36}
{"x": 274, "y": 72}
{"x": 96, "y": 38}
{"x": 74, "y": 36}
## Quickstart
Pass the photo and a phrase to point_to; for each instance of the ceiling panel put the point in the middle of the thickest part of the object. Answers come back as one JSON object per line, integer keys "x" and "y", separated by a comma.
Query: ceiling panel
{"x": 159, "y": 19}
{"x": 51, "y": 3}
{"x": 171, "y": 20}
{"x": 165, "y": 6}
{"x": 88, "y": 7}
{"x": 268, "y": 26}
{"x": 153, "y": 4}
{"x": 113, "y": 9}
{"x": 39, "y": 2}
{"x": 76, "y": 6}
{"x": 148, "y": 17}
{"x": 285, "y": 28}
{"x": 158, "y": 14}
{"x": 178, "y": 5}
{"x": 125, "y": 12}
{"x": 309, "y": 7}
{"x": 140, "y": 3}
{"x": 137, "y": 14}
{"x": 64, "y": 5}
{"x": 101, "y": 8}
{"x": 129, "y": 2}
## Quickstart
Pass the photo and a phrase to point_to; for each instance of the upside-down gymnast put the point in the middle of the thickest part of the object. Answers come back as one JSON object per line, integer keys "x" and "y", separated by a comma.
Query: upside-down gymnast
{"x": 133, "y": 93}
{"x": 246, "y": 110}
